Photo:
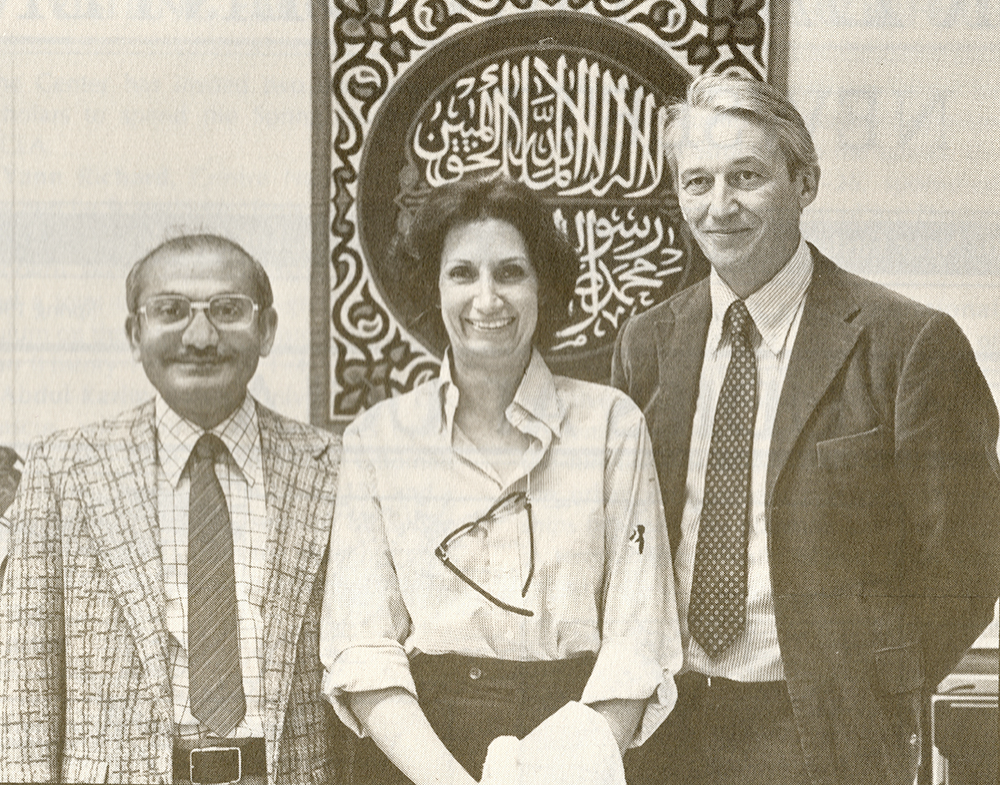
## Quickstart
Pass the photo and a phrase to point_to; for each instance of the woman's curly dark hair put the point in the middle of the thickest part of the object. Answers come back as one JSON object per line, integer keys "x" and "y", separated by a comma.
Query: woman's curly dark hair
{"x": 415, "y": 257}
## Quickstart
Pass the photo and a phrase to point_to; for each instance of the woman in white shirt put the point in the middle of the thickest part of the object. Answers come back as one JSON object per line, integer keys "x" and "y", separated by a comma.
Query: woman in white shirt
{"x": 499, "y": 545}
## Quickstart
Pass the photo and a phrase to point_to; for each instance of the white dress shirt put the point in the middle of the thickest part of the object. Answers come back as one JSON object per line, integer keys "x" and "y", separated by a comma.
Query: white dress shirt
{"x": 241, "y": 476}
{"x": 601, "y": 583}
{"x": 776, "y": 310}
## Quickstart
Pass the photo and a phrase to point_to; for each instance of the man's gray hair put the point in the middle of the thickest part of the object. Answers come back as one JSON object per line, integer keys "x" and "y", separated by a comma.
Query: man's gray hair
{"x": 754, "y": 101}
{"x": 185, "y": 243}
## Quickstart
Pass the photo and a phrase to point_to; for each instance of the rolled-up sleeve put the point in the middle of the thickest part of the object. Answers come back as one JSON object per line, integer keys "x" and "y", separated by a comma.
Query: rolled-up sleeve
{"x": 640, "y": 635}
{"x": 364, "y": 621}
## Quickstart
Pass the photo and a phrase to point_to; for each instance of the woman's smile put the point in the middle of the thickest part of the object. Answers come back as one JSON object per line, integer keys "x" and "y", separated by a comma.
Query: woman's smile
{"x": 489, "y": 294}
{"x": 490, "y": 325}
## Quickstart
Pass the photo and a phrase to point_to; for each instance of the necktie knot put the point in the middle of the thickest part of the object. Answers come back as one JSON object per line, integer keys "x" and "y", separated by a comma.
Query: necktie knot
{"x": 208, "y": 447}
{"x": 740, "y": 321}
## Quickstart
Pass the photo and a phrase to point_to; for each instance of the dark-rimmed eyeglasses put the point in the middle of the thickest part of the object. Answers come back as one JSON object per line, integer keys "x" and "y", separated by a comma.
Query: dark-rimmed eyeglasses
{"x": 508, "y": 504}
{"x": 176, "y": 312}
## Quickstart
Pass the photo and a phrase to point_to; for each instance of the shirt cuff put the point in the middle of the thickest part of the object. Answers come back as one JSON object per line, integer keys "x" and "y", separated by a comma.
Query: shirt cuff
{"x": 626, "y": 671}
{"x": 363, "y": 667}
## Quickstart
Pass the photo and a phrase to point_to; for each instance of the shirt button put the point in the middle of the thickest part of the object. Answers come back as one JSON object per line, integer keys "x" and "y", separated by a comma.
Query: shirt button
{"x": 475, "y": 673}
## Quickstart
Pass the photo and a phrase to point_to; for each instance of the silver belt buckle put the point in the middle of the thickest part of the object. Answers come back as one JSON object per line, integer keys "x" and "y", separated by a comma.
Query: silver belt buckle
{"x": 211, "y": 751}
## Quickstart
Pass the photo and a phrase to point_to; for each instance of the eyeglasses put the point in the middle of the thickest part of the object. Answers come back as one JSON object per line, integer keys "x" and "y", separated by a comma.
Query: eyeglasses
{"x": 176, "y": 312}
{"x": 506, "y": 506}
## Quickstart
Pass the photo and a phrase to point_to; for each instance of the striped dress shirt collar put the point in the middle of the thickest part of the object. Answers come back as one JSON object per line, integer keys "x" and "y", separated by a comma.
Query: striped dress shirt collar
{"x": 773, "y": 307}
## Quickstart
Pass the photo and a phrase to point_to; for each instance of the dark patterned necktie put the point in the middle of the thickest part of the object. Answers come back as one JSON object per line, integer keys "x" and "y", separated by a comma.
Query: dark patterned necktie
{"x": 718, "y": 608}
{"x": 216, "y": 677}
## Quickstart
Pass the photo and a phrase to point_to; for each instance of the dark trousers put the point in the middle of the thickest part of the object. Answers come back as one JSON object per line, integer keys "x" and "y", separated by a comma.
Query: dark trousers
{"x": 470, "y": 701}
{"x": 722, "y": 732}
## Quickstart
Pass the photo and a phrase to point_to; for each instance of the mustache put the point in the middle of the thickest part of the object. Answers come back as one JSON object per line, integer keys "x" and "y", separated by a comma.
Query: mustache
{"x": 197, "y": 355}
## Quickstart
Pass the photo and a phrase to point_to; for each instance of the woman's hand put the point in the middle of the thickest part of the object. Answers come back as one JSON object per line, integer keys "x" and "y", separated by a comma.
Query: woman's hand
{"x": 394, "y": 719}
{"x": 623, "y": 716}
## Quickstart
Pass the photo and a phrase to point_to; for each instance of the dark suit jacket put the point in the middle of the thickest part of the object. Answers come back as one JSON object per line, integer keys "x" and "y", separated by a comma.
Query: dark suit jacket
{"x": 883, "y": 501}
{"x": 84, "y": 688}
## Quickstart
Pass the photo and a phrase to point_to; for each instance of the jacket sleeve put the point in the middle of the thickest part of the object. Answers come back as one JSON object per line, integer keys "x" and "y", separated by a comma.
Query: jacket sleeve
{"x": 619, "y": 375}
{"x": 32, "y": 646}
{"x": 635, "y": 365}
{"x": 946, "y": 463}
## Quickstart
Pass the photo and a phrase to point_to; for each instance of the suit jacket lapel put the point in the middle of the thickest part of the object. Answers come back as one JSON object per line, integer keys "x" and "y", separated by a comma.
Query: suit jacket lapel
{"x": 118, "y": 481}
{"x": 300, "y": 498}
{"x": 680, "y": 350}
{"x": 825, "y": 339}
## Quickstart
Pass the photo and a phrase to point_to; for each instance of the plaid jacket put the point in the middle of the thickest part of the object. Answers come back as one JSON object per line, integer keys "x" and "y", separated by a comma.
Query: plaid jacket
{"x": 84, "y": 690}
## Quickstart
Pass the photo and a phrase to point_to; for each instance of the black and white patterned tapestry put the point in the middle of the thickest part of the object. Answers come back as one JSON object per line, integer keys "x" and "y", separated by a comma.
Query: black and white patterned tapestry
{"x": 567, "y": 97}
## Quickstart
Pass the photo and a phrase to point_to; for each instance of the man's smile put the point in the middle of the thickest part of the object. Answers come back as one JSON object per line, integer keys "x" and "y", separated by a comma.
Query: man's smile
{"x": 729, "y": 231}
{"x": 205, "y": 364}
{"x": 187, "y": 360}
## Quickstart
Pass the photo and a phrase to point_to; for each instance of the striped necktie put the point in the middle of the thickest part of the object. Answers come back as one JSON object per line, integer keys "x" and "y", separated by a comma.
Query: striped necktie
{"x": 216, "y": 677}
{"x": 718, "y": 609}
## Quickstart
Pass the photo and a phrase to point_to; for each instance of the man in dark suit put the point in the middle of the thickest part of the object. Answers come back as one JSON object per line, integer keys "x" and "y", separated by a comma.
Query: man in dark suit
{"x": 159, "y": 617}
{"x": 827, "y": 455}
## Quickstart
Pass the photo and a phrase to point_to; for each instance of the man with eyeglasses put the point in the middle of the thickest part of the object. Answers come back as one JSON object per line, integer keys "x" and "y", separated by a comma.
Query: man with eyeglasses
{"x": 159, "y": 617}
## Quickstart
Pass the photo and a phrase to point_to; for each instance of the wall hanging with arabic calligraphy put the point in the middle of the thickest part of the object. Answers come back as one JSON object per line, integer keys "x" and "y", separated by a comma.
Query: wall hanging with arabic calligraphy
{"x": 567, "y": 97}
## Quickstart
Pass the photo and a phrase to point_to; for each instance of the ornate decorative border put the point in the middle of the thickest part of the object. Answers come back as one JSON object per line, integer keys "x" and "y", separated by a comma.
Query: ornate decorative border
{"x": 360, "y": 352}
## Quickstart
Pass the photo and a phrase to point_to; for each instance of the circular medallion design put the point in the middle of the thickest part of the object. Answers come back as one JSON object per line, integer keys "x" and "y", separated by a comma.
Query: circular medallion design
{"x": 572, "y": 105}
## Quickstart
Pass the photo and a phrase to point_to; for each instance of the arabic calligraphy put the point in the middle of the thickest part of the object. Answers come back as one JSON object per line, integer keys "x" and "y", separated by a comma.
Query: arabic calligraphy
{"x": 625, "y": 260}
{"x": 583, "y": 129}
{"x": 565, "y": 96}
{"x": 588, "y": 134}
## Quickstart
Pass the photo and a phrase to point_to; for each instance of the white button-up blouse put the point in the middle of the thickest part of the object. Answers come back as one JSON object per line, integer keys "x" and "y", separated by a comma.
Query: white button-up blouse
{"x": 602, "y": 579}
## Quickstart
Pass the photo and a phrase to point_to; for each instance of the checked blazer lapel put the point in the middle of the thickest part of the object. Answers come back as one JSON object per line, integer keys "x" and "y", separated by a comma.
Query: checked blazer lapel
{"x": 116, "y": 475}
{"x": 300, "y": 496}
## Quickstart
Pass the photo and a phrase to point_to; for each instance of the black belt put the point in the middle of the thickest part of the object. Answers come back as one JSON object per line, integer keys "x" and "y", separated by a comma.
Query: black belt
{"x": 213, "y": 761}
{"x": 729, "y": 689}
